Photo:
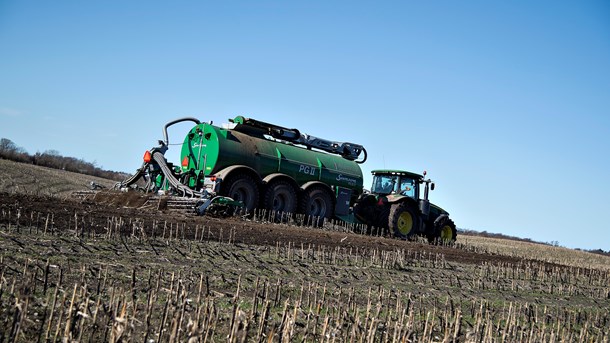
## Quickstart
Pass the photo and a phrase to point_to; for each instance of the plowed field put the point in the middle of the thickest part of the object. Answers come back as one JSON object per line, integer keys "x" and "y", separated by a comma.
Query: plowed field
{"x": 105, "y": 268}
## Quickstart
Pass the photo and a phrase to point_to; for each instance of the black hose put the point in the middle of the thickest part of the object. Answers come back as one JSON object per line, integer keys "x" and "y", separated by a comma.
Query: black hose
{"x": 178, "y": 186}
{"x": 165, "y": 137}
{"x": 365, "y": 156}
{"x": 134, "y": 178}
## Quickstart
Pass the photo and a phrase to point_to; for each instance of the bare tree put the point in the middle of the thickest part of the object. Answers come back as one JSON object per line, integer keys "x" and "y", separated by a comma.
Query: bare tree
{"x": 7, "y": 145}
{"x": 53, "y": 159}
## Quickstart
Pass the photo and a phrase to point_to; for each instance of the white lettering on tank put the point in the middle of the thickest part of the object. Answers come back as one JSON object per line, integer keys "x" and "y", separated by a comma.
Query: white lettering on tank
{"x": 349, "y": 180}
{"x": 307, "y": 170}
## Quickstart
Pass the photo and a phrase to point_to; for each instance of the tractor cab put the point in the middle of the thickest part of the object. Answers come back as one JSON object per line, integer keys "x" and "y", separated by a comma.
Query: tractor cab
{"x": 396, "y": 185}
{"x": 387, "y": 182}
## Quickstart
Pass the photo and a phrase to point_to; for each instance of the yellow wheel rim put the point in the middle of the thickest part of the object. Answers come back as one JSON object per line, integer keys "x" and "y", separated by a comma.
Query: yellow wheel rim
{"x": 446, "y": 233}
{"x": 405, "y": 223}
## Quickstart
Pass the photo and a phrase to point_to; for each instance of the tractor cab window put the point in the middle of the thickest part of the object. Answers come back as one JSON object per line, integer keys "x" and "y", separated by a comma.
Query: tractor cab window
{"x": 384, "y": 184}
{"x": 407, "y": 187}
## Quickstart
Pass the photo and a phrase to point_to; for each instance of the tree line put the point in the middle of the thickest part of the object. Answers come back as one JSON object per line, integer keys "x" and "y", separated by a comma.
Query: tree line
{"x": 53, "y": 159}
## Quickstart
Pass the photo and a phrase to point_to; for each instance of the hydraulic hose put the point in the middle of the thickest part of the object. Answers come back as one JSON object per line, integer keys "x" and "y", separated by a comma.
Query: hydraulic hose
{"x": 178, "y": 186}
{"x": 364, "y": 158}
{"x": 134, "y": 178}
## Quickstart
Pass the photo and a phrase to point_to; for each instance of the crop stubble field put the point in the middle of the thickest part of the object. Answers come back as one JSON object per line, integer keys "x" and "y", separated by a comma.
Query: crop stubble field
{"x": 36, "y": 180}
{"x": 100, "y": 269}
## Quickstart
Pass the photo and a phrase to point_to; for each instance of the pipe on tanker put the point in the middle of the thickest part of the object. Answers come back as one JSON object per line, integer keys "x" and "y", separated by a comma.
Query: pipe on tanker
{"x": 365, "y": 156}
{"x": 165, "y": 137}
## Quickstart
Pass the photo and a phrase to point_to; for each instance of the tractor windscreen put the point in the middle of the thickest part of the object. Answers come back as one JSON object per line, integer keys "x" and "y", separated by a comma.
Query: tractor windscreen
{"x": 387, "y": 184}
{"x": 408, "y": 187}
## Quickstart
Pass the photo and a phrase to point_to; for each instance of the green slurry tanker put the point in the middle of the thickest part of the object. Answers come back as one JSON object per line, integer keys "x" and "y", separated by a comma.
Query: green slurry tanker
{"x": 257, "y": 165}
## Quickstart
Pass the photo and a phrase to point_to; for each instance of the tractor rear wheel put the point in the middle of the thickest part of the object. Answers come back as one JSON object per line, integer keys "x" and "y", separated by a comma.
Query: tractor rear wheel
{"x": 317, "y": 205}
{"x": 444, "y": 231}
{"x": 241, "y": 187}
{"x": 281, "y": 198}
{"x": 403, "y": 220}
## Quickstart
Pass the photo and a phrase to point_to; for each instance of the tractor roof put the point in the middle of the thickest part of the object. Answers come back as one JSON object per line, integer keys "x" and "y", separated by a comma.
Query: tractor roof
{"x": 397, "y": 172}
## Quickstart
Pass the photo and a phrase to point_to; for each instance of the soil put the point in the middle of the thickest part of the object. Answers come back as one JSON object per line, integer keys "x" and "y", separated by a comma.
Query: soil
{"x": 45, "y": 190}
{"x": 66, "y": 251}
{"x": 98, "y": 207}
{"x": 129, "y": 252}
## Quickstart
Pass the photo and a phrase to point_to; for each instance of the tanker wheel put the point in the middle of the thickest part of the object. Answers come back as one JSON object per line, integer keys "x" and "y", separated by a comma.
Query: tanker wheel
{"x": 403, "y": 220}
{"x": 281, "y": 198}
{"x": 242, "y": 187}
{"x": 316, "y": 205}
{"x": 444, "y": 231}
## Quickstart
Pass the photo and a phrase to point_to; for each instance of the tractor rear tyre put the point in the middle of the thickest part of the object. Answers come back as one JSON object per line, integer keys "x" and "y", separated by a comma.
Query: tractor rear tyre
{"x": 241, "y": 187}
{"x": 364, "y": 211}
{"x": 317, "y": 205}
{"x": 444, "y": 231}
{"x": 403, "y": 220}
{"x": 280, "y": 198}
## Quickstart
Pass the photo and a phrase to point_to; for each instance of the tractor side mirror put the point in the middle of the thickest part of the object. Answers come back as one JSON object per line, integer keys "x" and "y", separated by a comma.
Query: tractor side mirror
{"x": 432, "y": 186}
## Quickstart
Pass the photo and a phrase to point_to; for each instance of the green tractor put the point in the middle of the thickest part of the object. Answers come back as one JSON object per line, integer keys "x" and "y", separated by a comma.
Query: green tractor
{"x": 398, "y": 202}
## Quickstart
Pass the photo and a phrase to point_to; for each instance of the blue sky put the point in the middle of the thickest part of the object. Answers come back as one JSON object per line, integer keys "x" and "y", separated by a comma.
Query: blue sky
{"x": 506, "y": 104}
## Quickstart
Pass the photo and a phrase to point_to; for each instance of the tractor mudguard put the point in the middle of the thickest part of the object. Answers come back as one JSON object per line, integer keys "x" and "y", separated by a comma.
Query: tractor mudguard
{"x": 394, "y": 198}
{"x": 441, "y": 217}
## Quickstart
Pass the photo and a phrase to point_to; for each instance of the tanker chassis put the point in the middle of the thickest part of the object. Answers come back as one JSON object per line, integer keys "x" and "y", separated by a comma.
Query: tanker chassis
{"x": 259, "y": 165}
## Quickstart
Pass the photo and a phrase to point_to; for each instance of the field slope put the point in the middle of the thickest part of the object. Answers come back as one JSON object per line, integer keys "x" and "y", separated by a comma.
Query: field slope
{"x": 31, "y": 179}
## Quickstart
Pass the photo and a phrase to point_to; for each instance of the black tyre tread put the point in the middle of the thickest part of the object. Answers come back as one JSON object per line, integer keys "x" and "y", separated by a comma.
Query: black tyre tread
{"x": 395, "y": 211}
{"x": 304, "y": 204}
{"x": 437, "y": 229}
{"x": 228, "y": 184}
{"x": 269, "y": 195}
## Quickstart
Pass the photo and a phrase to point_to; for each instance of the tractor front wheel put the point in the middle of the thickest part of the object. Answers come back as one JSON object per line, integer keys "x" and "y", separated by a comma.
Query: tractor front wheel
{"x": 403, "y": 220}
{"x": 444, "y": 231}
